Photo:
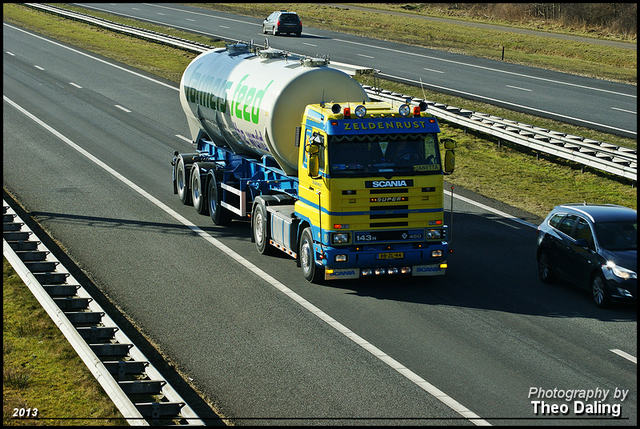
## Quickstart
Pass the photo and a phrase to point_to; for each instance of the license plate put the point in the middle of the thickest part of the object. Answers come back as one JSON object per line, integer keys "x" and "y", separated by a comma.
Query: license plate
{"x": 391, "y": 255}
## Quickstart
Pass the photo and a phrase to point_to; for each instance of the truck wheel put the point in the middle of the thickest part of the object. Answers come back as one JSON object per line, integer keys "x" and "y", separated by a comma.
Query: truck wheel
{"x": 259, "y": 228}
{"x": 219, "y": 215}
{"x": 307, "y": 256}
{"x": 197, "y": 195}
{"x": 181, "y": 182}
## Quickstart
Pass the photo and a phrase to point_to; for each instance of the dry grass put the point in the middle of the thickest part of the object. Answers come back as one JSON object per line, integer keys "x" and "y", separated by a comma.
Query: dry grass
{"x": 40, "y": 370}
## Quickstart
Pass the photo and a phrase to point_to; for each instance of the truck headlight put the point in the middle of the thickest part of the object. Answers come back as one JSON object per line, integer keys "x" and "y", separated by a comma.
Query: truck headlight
{"x": 340, "y": 238}
{"x": 434, "y": 234}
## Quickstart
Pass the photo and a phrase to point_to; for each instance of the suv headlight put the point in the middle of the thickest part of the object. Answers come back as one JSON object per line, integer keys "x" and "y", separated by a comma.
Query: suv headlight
{"x": 621, "y": 272}
{"x": 340, "y": 238}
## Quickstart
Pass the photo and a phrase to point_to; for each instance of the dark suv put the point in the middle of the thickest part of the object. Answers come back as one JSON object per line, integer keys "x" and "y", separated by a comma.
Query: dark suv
{"x": 282, "y": 22}
{"x": 592, "y": 245}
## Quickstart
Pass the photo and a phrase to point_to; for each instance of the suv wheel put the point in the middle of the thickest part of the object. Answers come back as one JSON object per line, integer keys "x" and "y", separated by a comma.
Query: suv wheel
{"x": 544, "y": 268}
{"x": 599, "y": 291}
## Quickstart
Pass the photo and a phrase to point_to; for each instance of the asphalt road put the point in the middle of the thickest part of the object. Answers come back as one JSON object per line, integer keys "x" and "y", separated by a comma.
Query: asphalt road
{"x": 605, "y": 106}
{"x": 90, "y": 162}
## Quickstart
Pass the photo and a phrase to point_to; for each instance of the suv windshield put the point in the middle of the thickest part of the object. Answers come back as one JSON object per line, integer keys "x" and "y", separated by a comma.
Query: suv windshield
{"x": 383, "y": 155}
{"x": 618, "y": 235}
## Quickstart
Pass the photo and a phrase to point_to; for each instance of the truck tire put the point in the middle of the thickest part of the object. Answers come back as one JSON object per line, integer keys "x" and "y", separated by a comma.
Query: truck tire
{"x": 219, "y": 215}
{"x": 259, "y": 228}
{"x": 197, "y": 191}
{"x": 312, "y": 272}
{"x": 182, "y": 184}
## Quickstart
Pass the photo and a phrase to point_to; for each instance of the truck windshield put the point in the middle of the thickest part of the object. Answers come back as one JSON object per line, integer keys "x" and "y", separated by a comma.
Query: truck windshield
{"x": 383, "y": 155}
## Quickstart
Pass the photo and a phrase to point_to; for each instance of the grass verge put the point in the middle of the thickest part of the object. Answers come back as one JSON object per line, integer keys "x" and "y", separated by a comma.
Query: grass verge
{"x": 41, "y": 373}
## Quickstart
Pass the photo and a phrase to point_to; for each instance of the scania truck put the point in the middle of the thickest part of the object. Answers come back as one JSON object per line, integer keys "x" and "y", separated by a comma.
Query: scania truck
{"x": 346, "y": 186}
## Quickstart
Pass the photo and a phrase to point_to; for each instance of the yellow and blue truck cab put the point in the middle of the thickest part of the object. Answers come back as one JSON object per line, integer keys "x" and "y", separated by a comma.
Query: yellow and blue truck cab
{"x": 373, "y": 193}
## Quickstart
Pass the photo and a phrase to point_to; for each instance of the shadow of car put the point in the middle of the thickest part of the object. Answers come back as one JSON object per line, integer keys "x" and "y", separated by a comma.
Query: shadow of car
{"x": 593, "y": 246}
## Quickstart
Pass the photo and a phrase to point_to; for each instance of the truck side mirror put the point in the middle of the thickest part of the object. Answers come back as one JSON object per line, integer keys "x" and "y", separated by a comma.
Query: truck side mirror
{"x": 449, "y": 156}
{"x": 313, "y": 164}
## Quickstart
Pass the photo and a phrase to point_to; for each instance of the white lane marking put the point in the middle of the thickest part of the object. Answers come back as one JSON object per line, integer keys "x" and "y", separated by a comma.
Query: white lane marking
{"x": 521, "y": 89}
{"x": 625, "y": 111}
{"x": 432, "y": 70}
{"x": 75, "y": 84}
{"x": 489, "y": 68}
{"x": 188, "y": 140}
{"x": 366, "y": 56}
{"x": 39, "y": 68}
{"x": 122, "y": 108}
{"x": 492, "y": 210}
{"x": 94, "y": 58}
{"x": 310, "y": 44}
{"x": 415, "y": 378}
{"x": 223, "y": 26}
{"x": 11, "y": 53}
{"x": 519, "y": 106}
{"x": 625, "y": 355}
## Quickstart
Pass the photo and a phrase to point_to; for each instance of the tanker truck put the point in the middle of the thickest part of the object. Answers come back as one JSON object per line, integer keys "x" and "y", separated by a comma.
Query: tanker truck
{"x": 346, "y": 186}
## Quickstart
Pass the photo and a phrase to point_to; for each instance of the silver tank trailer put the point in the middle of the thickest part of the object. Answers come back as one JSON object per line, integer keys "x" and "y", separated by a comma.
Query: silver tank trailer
{"x": 252, "y": 102}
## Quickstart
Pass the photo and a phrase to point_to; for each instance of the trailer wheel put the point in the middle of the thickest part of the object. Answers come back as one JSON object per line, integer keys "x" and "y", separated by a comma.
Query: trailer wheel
{"x": 181, "y": 182}
{"x": 310, "y": 270}
{"x": 219, "y": 215}
{"x": 197, "y": 194}
{"x": 259, "y": 228}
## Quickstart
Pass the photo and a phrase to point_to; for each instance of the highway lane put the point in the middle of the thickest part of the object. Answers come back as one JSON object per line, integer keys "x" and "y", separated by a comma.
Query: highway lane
{"x": 593, "y": 103}
{"x": 484, "y": 334}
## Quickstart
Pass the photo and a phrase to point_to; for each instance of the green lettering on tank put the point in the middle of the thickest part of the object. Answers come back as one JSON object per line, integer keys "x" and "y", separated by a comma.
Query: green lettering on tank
{"x": 247, "y": 103}
{"x": 255, "y": 110}
{"x": 212, "y": 93}
{"x": 222, "y": 101}
{"x": 238, "y": 97}
{"x": 191, "y": 89}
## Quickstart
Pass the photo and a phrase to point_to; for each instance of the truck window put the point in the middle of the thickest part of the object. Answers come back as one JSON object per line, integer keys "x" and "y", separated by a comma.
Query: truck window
{"x": 364, "y": 155}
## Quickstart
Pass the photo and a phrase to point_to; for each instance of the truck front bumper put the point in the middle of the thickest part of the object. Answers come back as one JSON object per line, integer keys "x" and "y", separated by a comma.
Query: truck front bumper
{"x": 342, "y": 263}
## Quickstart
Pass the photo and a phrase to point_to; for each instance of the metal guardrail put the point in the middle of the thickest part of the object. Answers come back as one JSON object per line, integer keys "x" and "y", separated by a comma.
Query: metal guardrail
{"x": 608, "y": 157}
{"x": 600, "y": 155}
{"x": 141, "y": 394}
